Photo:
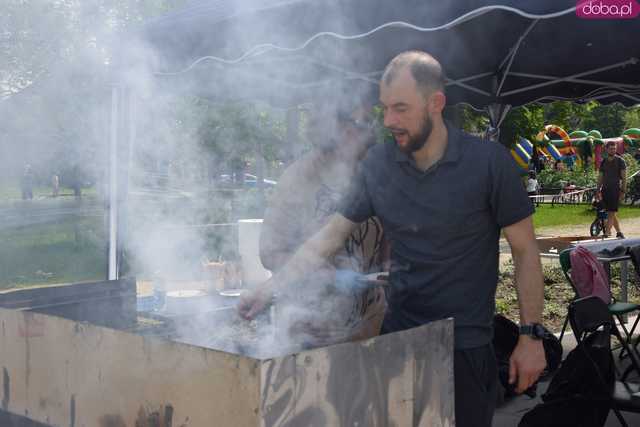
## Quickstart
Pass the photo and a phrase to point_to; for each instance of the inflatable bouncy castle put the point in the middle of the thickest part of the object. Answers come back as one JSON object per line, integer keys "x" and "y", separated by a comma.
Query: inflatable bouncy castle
{"x": 578, "y": 147}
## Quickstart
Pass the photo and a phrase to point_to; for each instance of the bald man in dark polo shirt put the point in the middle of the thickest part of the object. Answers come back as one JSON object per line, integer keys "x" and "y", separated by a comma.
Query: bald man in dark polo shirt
{"x": 443, "y": 198}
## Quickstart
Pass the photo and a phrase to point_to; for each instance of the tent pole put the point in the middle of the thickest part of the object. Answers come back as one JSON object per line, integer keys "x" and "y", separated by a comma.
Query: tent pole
{"x": 460, "y": 82}
{"x": 587, "y": 82}
{"x": 512, "y": 55}
{"x": 497, "y": 113}
{"x": 468, "y": 87}
{"x": 631, "y": 61}
{"x": 587, "y": 97}
{"x": 514, "y": 49}
{"x": 626, "y": 95}
{"x": 124, "y": 167}
{"x": 112, "y": 268}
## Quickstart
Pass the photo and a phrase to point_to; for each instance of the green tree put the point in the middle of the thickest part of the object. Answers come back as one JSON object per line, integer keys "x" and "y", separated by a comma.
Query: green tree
{"x": 39, "y": 37}
{"x": 237, "y": 130}
{"x": 568, "y": 115}
{"x": 525, "y": 121}
{"x": 467, "y": 118}
{"x": 632, "y": 118}
{"x": 610, "y": 120}
{"x": 54, "y": 77}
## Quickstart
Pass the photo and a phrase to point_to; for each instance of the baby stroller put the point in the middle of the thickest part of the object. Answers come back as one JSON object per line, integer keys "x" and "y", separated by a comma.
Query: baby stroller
{"x": 599, "y": 224}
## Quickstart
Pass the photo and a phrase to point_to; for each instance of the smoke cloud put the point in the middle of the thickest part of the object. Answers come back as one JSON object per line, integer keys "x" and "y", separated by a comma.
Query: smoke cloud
{"x": 201, "y": 143}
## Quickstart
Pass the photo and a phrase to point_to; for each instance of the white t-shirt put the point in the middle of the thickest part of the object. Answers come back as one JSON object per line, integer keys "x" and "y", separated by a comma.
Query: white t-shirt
{"x": 532, "y": 185}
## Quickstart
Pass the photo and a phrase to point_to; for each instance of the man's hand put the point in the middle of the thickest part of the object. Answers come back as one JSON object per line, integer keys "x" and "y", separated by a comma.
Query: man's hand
{"x": 255, "y": 301}
{"x": 621, "y": 196}
{"x": 526, "y": 363}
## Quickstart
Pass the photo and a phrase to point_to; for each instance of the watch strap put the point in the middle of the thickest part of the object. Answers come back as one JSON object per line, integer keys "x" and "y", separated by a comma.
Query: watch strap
{"x": 534, "y": 330}
{"x": 526, "y": 330}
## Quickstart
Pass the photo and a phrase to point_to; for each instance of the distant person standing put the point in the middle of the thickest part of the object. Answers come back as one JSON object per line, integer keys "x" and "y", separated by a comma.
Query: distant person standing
{"x": 586, "y": 152}
{"x": 532, "y": 184}
{"x": 55, "y": 185}
{"x": 537, "y": 161}
{"x": 76, "y": 182}
{"x": 612, "y": 182}
{"x": 26, "y": 183}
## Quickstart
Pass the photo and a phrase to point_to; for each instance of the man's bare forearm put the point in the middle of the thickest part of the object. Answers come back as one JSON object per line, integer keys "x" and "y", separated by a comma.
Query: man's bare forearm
{"x": 274, "y": 260}
{"x": 315, "y": 252}
{"x": 529, "y": 282}
{"x": 278, "y": 233}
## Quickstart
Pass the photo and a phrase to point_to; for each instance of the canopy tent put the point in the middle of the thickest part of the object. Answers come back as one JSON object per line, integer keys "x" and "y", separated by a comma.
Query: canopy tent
{"x": 494, "y": 52}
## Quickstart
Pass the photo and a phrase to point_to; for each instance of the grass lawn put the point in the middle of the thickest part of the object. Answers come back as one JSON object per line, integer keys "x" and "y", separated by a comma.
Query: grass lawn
{"x": 549, "y": 216}
{"x": 9, "y": 193}
{"x": 14, "y": 192}
{"x": 72, "y": 250}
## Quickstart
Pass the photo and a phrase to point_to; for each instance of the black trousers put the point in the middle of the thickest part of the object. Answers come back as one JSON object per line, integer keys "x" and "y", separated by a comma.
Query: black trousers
{"x": 476, "y": 386}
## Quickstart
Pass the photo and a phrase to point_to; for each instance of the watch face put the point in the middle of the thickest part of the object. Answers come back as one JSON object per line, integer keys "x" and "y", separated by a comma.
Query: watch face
{"x": 539, "y": 331}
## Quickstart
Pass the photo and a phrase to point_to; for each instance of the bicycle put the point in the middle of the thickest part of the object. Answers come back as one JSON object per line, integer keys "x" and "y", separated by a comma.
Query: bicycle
{"x": 600, "y": 223}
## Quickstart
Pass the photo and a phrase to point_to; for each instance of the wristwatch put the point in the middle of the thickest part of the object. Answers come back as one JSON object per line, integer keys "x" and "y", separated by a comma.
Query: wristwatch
{"x": 534, "y": 330}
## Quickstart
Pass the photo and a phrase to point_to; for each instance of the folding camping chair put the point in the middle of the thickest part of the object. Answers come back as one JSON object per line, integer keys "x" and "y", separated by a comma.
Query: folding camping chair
{"x": 587, "y": 316}
{"x": 617, "y": 309}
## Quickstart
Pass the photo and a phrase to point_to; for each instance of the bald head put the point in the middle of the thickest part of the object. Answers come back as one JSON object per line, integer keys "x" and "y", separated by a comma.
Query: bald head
{"x": 424, "y": 68}
{"x": 412, "y": 97}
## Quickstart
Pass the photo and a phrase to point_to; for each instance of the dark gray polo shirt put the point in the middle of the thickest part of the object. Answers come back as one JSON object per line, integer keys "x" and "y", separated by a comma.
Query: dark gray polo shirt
{"x": 612, "y": 172}
{"x": 443, "y": 226}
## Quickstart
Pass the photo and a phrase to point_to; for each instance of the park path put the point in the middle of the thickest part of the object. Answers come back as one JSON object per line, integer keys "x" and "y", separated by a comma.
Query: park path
{"x": 630, "y": 228}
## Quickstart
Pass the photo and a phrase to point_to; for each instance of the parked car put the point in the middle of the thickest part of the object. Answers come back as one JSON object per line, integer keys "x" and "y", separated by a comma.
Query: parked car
{"x": 249, "y": 180}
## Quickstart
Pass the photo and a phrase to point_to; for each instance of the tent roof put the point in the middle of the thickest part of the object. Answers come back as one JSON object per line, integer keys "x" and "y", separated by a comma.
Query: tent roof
{"x": 285, "y": 52}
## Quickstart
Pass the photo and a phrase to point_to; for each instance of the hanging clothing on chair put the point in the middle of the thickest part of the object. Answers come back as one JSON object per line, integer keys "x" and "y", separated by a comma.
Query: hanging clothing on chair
{"x": 588, "y": 275}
